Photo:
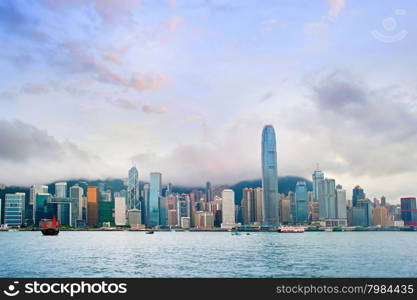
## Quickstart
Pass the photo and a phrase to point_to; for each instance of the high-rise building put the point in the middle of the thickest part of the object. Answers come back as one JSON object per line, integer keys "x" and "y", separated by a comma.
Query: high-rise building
{"x": 133, "y": 188}
{"x": 172, "y": 217}
{"x": 35, "y": 189}
{"x": 105, "y": 208}
{"x": 341, "y": 202}
{"x": 120, "y": 210}
{"x": 318, "y": 177}
{"x": 155, "y": 191}
{"x": 379, "y": 216}
{"x": 258, "y": 204}
{"x": 61, "y": 189}
{"x": 327, "y": 198}
{"x": 92, "y": 205}
{"x": 362, "y": 213}
{"x": 147, "y": 212}
{"x": 134, "y": 218}
{"x": 209, "y": 191}
{"x": 183, "y": 207}
{"x": 409, "y": 211}
{"x": 285, "y": 210}
{"x": 77, "y": 205}
{"x": 357, "y": 194}
{"x": 383, "y": 201}
{"x": 301, "y": 202}
{"x": 248, "y": 205}
{"x": 14, "y": 209}
{"x": 40, "y": 208}
{"x": 228, "y": 209}
{"x": 269, "y": 177}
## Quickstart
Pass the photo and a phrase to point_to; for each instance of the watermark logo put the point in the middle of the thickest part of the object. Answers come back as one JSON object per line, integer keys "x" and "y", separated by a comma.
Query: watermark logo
{"x": 11, "y": 290}
{"x": 390, "y": 26}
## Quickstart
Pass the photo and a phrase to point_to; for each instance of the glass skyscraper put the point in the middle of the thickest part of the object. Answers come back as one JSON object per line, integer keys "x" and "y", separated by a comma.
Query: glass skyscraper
{"x": 14, "y": 210}
{"x": 155, "y": 191}
{"x": 269, "y": 177}
{"x": 133, "y": 189}
{"x": 301, "y": 202}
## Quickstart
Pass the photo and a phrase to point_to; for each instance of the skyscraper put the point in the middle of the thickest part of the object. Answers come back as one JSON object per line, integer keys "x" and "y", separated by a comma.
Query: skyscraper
{"x": 92, "y": 206}
{"x": 409, "y": 211}
{"x": 146, "y": 214}
{"x": 301, "y": 202}
{"x": 155, "y": 191}
{"x": 208, "y": 192}
{"x": 318, "y": 176}
{"x": 77, "y": 204}
{"x": 341, "y": 212}
{"x": 35, "y": 189}
{"x": 357, "y": 194}
{"x": 258, "y": 204}
{"x": 269, "y": 177}
{"x": 14, "y": 209}
{"x": 60, "y": 189}
{"x": 228, "y": 209}
{"x": 133, "y": 188}
{"x": 120, "y": 210}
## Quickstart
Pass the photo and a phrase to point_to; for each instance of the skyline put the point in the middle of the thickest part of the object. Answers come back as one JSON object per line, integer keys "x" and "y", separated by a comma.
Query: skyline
{"x": 187, "y": 91}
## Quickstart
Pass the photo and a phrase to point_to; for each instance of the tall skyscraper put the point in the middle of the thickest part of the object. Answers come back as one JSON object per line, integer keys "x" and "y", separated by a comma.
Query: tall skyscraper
{"x": 155, "y": 191}
{"x": 14, "y": 209}
{"x": 77, "y": 204}
{"x": 259, "y": 204}
{"x": 357, "y": 194}
{"x": 228, "y": 209}
{"x": 318, "y": 176}
{"x": 248, "y": 206}
{"x": 147, "y": 213}
{"x": 341, "y": 212}
{"x": 409, "y": 211}
{"x": 35, "y": 189}
{"x": 327, "y": 198}
{"x": 209, "y": 196}
{"x": 92, "y": 205}
{"x": 61, "y": 189}
{"x": 133, "y": 188}
{"x": 269, "y": 177}
{"x": 183, "y": 207}
{"x": 301, "y": 202}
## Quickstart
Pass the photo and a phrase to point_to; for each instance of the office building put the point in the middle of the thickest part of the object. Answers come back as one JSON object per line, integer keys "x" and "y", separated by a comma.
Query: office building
{"x": 155, "y": 191}
{"x": 77, "y": 205}
{"x": 379, "y": 216}
{"x": 409, "y": 211}
{"x": 228, "y": 209}
{"x": 133, "y": 188}
{"x": 285, "y": 215}
{"x": 61, "y": 189}
{"x": 92, "y": 206}
{"x": 120, "y": 210}
{"x": 14, "y": 209}
{"x": 357, "y": 194}
{"x": 269, "y": 177}
{"x": 301, "y": 202}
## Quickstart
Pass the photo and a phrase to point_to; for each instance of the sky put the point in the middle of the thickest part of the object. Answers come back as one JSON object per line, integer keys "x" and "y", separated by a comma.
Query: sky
{"x": 90, "y": 88}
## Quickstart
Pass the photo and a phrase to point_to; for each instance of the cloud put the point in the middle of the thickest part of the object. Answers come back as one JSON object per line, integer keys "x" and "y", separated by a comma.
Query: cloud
{"x": 78, "y": 61}
{"x": 123, "y": 103}
{"x": 22, "y": 142}
{"x": 35, "y": 88}
{"x": 194, "y": 117}
{"x": 335, "y": 7}
{"x": 148, "y": 109}
{"x": 112, "y": 58}
{"x": 266, "y": 97}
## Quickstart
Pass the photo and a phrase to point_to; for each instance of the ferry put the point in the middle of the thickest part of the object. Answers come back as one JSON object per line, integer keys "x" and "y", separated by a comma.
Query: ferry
{"x": 291, "y": 229}
{"x": 49, "y": 227}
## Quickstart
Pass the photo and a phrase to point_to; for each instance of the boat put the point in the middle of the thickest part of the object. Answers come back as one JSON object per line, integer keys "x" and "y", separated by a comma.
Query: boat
{"x": 149, "y": 232}
{"x": 328, "y": 230}
{"x": 291, "y": 229}
{"x": 49, "y": 227}
{"x": 235, "y": 233}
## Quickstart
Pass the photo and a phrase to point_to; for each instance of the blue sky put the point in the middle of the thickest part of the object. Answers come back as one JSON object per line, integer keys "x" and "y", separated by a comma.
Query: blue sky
{"x": 184, "y": 87}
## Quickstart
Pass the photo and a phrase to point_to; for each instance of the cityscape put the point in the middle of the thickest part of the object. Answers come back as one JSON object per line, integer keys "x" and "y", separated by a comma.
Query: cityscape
{"x": 146, "y": 205}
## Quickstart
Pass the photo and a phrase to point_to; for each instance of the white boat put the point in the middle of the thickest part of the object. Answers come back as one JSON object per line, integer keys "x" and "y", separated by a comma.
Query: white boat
{"x": 291, "y": 229}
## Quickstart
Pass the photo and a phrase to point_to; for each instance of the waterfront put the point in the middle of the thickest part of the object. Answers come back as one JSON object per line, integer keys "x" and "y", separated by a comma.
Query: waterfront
{"x": 209, "y": 254}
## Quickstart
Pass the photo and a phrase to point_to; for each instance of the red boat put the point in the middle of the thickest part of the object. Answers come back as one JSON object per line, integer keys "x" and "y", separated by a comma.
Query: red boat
{"x": 49, "y": 227}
